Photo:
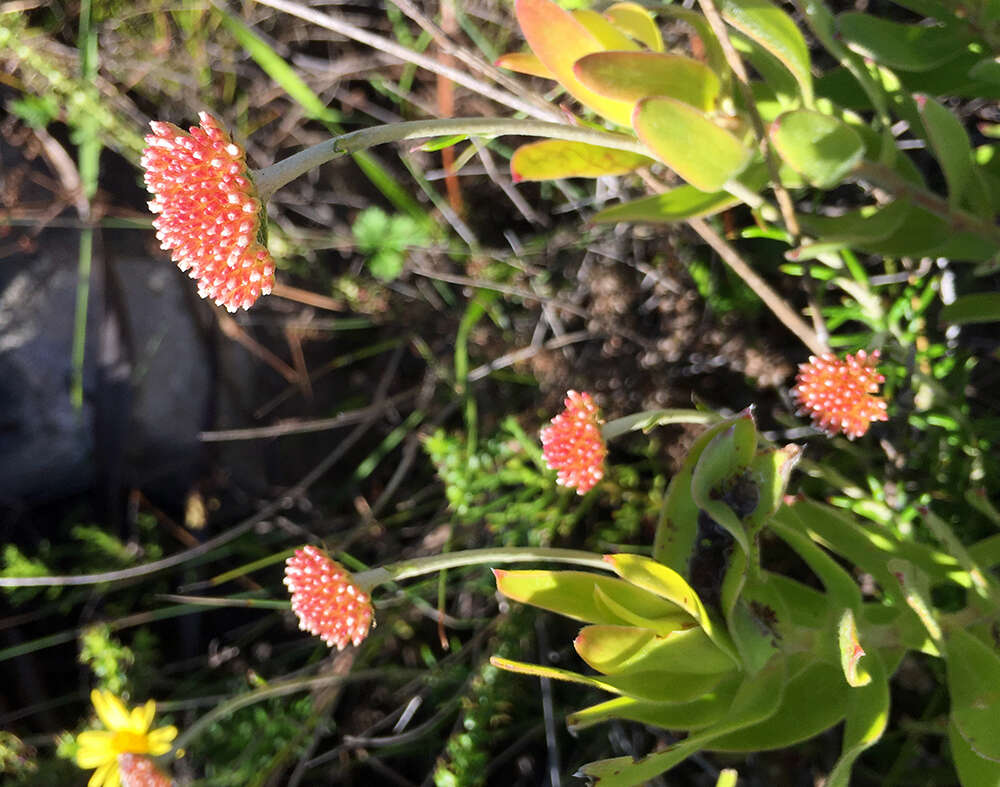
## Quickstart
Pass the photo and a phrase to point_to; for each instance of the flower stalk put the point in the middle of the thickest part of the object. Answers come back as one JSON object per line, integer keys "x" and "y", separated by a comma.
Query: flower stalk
{"x": 272, "y": 178}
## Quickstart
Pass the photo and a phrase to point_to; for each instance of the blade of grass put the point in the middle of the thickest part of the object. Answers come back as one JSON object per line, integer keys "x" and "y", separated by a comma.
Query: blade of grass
{"x": 88, "y": 159}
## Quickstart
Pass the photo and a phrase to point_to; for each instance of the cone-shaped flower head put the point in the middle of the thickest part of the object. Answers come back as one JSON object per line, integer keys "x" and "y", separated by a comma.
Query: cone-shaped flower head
{"x": 841, "y": 396}
{"x": 326, "y": 599}
{"x": 134, "y": 770}
{"x": 210, "y": 218}
{"x": 127, "y": 733}
{"x": 573, "y": 445}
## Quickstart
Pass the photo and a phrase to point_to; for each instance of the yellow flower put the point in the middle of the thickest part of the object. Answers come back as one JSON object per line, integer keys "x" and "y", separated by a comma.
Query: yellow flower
{"x": 127, "y": 733}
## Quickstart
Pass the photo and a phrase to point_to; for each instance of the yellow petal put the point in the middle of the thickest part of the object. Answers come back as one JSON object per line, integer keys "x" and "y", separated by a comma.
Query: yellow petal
{"x": 102, "y": 774}
{"x": 159, "y": 740}
{"x": 95, "y": 748}
{"x": 142, "y": 717}
{"x": 110, "y": 709}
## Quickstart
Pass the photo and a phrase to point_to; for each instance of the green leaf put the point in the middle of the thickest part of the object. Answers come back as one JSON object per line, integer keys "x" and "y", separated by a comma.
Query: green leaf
{"x": 814, "y": 699}
{"x": 637, "y": 22}
{"x": 613, "y": 650}
{"x": 571, "y": 593}
{"x": 851, "y": 651}
{"x": 774, "y": 30}
{"x": 867, "y": 717}
{"x": 524, "y": 63}
{"x": 558, "y": 39}
{"x": 657, "y": 578}
{"x": 950, "y": 145}
{"x": 631, "y": 76}
{"x": 823, "y": 149}
{"x": 704, "y": 154}
{"x": 716, "y": 476}
{"x": 771, "y": 470}
{"x": 973, "y": 670}
{"x": 853, "y": 229}
{"x": 678, "y": 525}
{"x": 973, "y": 770}
{"x": 657, "y": 686}
{"x": 708, "y": 709}
{"x": 713, "y": 49}
{"x": 605, "y": 32}
{"x": 550, "y": 159}
{"x": 899, "y": 46}
{"x": 968, "y": 309}
{"x": 757, "y": 699}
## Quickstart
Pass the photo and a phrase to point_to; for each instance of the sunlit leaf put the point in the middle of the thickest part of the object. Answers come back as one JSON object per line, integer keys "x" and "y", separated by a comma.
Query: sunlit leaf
{"x": 600, "y": 28}
{"x": 631, "y": 76}
{"x": 571, "y": 593}
{"x": 704, "y": 154}
{"x": 559, "y": 40}
{"x": 556, "y": 158}
{"x": 774, "y": 30}
{"x": 616, "y": 649}
{"x": 524, "y": 63}
{"x": 658, "y": 686}
{"x": 822, "y": 148}
{"x": 637, "y": 22}
{"x": 867, "y": 717}
{"x": 897, "y": 45}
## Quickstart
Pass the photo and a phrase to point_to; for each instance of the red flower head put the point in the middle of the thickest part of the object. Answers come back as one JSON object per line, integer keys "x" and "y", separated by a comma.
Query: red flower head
{"x": 326, "y": 600}
{"x": 134, "y": 770}
{"x": 840, "y": 396}
{"x": 573, "y": 445}
{"x": 209, "y": 214}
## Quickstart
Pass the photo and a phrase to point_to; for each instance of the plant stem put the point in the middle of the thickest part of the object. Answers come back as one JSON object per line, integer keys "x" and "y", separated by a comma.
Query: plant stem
{"x": 406, "y": 569}
{"x": 886, "y": 178}
{"x": 272, "y": 178}
{"x": 771, "y": 299}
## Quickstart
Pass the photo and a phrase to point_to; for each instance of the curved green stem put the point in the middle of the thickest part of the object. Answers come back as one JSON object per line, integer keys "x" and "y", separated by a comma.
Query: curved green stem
{"x": 406, "y": 569}
{"x": 272, "y": 178}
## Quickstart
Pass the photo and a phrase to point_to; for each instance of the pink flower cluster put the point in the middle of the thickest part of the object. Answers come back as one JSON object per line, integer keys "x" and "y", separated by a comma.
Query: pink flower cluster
{"x": 573, "y": 445}
{"x": 841, "y": 396}
{"x": 326, "y": 599}
{"x": 210, "y": 218}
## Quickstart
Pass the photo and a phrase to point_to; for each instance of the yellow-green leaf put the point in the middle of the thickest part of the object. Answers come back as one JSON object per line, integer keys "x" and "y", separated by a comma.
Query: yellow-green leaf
{"x": 822, "y": 148}
{"x": 631, "y": 76}
{"x": 556, "y": 158}
{"x": 559, "y": 40}
{"x": 571, "y": 593}
{"x": 524, "y": 63}
{"x": 686, "y": 140}
{"x": 950, "y": 144}
{"x": 616, "y": 649}
{"x": 897, "y": 45}
{"x": 774, "y": 30}
{"x": 637, "y": 22}
{"x": 658, "y": 686}
{"x": 605, "y": 32}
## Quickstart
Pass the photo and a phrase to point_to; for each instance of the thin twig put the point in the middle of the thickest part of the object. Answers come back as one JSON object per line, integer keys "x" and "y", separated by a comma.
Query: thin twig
{"x": 771, "y": 299}
{"x": 410, "y": 56}
{"x": 736, "y": 65}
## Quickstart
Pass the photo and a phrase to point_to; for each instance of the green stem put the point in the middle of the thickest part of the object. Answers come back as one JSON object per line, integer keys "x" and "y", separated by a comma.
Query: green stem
{"x": 406, "y": 569}
{"x": 272, "y": 178}
{"x": 886, "y": 178}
